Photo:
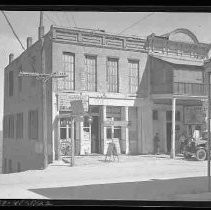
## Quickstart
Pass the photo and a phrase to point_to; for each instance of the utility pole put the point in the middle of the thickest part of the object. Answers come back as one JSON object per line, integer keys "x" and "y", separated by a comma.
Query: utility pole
{"x": 73, "y": 142}
{"x": 44, "y": 78}
{"x": 208, "y": 118}
{"x": 44, "y": 94}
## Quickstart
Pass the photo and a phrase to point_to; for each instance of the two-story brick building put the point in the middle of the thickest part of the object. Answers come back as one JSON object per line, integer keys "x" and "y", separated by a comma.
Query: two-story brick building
{"x": 128, "y": 83}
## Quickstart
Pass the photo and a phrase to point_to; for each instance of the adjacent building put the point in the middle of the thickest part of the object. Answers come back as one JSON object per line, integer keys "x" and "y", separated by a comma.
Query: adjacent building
{"x": 129, "y": 85}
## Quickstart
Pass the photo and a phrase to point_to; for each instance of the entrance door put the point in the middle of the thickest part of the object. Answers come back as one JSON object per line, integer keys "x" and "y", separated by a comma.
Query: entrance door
{"x": 168, "y": 136}
{"x": 95, "y": 135}
{"x": 65, "y": 137}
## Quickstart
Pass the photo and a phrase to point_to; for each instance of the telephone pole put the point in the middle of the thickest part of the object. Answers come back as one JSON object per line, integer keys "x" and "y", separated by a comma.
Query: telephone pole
{"x": 44, "y": 78}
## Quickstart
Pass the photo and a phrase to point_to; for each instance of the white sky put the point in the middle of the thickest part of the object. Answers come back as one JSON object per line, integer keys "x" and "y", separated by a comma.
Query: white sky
{"x": 26, "y": 23}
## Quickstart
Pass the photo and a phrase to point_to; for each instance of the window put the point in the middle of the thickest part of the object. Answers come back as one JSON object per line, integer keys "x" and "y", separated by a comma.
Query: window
{"x": 108, "y": 132}
{"x": 19, "y": 126}
{"x": 11, "y": 83}
{"x": 155, "y": 115}
{"x": 8, "y": 126}
{"x": 133, "y": 76}
{"x": 177, "y": 117}
{"x": 33, "y": 124}
{"x": 112, "y": 75}
{"x": 68, "y": 83}
{"x": 11, "y": 126}
{"x": 5, "y": 127}
{"x": 168, "y": 115}
{"x": 117, "y": 132}
{"x": 88, "y": 77}
{"x": 113, "y": 112}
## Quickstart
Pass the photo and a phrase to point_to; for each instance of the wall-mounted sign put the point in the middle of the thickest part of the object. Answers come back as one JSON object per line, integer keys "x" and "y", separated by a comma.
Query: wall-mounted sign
{"x": 65, "y": 99}
{"x": 194, "y": 115}
{"x": 108, "y": 123}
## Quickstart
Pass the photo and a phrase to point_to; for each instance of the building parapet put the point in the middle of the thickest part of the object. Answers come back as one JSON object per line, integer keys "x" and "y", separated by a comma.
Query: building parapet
{"x": 162, "y": 45}
{"x": 98, "y": 38}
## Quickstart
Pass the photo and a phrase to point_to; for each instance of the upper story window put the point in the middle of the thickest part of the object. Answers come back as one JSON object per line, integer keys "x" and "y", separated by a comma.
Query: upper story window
{"x": 133, "y": 76}
{"x": 88, "y": 79}
{"x": 11, "y": 83}
{"x": 112, "y": 77}
{"x": 68, "y": 83}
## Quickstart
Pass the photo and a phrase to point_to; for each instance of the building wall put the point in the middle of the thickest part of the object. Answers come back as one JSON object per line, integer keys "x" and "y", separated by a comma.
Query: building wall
{"x": 112, "y": 99}
{"x": 25, "y": 151}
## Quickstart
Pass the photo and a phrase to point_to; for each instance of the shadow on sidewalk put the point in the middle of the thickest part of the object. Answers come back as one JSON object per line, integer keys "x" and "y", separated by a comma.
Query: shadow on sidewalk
{"x": 154, "y": 190}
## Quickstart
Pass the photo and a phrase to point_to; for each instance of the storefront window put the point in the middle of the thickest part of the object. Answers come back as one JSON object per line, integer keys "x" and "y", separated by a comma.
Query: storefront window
{"x": 109, "y": 133}
{"x": 117, "y": 132}
{"x": 113, "y": 112}
{"x": 63, "y": 133}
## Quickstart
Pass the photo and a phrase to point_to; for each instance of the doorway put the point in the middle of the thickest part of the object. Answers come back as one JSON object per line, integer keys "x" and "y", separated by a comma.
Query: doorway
{"x": 168, "y": 136}
{"x": 65, "y": 137}
{"x": 95, "y": 135}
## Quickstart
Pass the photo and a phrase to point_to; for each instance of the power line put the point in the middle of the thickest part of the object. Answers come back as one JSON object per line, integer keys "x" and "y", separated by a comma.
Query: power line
{"x": 12, "y": 29}
{"x": 136, "y": 23}
{"x": 68, "y": 21}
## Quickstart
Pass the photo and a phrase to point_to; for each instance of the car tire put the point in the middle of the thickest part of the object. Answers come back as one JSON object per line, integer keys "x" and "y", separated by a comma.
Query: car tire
{"x": 201, "y": 154}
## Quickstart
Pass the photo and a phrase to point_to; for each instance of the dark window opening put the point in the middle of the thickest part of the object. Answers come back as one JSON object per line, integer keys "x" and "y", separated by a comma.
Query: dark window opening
{"x": 155, "y": 115}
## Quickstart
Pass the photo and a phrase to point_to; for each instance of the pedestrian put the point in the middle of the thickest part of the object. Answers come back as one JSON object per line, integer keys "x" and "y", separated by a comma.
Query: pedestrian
{"x": 156, "y": 141}
{"x": 182, "y": 142}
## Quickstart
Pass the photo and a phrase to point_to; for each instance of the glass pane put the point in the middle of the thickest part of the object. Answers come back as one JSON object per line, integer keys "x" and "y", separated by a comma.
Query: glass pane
{"x": 62, "y": 133}
{"x": 108, "y": 133}
{"x": 117, "y": 132}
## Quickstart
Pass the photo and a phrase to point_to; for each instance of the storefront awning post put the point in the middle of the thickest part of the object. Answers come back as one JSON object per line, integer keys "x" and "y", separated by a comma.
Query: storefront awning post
{"x": 173, "y": 128}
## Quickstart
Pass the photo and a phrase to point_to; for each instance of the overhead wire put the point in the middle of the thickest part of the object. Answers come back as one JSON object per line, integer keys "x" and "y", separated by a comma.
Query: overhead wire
{"x": 130, "y": 26}
{"x": 67, "y": 18}
{"x": 13, "y": 29}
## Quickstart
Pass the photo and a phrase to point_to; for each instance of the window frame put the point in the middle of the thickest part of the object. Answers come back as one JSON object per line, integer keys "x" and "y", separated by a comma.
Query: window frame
{"x": 112, "y": 86}
{"x": 131, "y": 78}
{"x": 87, "y": 75}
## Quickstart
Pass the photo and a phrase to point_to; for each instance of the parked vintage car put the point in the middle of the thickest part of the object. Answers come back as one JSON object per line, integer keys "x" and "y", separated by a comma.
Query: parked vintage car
{"x": 196, "y": 148}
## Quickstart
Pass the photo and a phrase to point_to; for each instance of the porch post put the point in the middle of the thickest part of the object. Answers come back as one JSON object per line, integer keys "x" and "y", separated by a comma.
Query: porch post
{"x": 173, "y": 128}
{"x": 58, "y": 145}
{"x": 81, "y": 131}
{"x": 126, "y": 132}
{"x": 104, "y": 148}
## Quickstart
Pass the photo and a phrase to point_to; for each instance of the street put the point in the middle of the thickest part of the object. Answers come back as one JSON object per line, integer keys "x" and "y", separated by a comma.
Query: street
{"x": 145, "y": 177}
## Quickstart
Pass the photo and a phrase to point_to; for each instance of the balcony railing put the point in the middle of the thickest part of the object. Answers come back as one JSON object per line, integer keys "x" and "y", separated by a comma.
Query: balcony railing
{"x": 191, "y": 89}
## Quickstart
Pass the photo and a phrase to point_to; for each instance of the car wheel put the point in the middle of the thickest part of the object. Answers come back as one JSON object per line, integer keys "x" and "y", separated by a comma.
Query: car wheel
{"x": 201, "y": 154}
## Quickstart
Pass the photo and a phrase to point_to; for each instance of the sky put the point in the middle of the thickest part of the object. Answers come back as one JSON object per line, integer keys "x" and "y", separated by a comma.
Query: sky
{"x": 25, "y": 24}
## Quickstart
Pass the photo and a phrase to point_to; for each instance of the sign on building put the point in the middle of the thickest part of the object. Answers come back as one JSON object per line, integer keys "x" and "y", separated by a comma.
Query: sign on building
{"x": 77, "y": 107}
{"x": 65, "y": 99}
{"x": 194, "y": 115}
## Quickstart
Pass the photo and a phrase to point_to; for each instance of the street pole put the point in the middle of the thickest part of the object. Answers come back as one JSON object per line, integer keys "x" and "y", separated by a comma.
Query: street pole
{"x": 45, "y": 138}
{"x": 172, "y": 155}
{"x": 208, "y": 159}
{"x": 73, "y": 142}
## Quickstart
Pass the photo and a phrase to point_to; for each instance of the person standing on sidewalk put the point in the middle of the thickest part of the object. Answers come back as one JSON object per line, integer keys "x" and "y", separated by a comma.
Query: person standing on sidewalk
{"x": 156, "y": 141}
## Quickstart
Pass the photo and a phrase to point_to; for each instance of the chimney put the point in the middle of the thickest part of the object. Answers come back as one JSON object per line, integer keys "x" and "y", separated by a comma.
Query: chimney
{"x": 41, "y": 27}
{"x": 11, "y": 57}
{"x": 29, "y": 42}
